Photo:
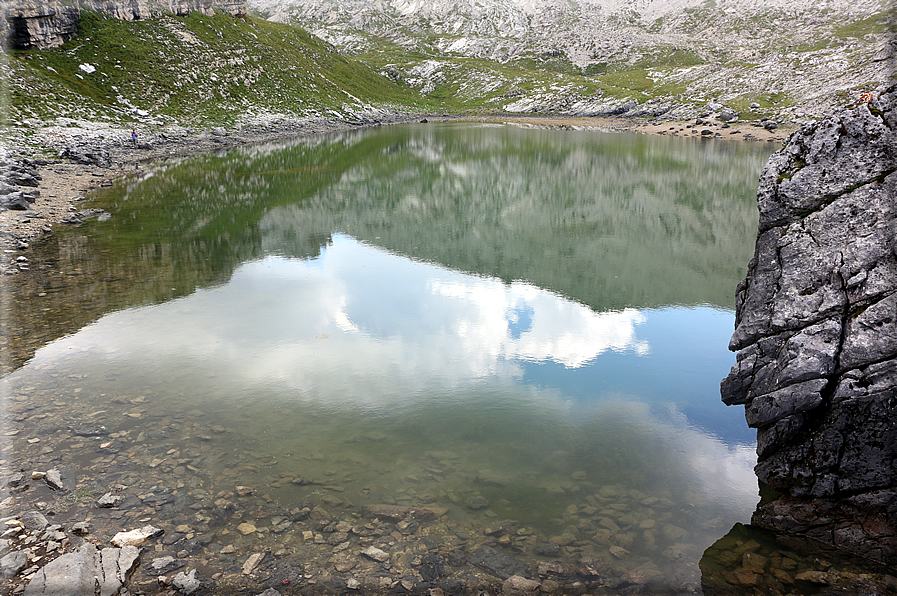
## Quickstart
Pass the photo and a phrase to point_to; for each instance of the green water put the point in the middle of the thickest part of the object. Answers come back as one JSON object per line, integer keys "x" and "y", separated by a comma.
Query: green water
{"x": 510, "y": 324}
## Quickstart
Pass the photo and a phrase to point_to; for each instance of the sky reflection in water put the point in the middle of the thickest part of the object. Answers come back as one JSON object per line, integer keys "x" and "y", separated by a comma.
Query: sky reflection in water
{"x": 547, "y": 306}
{"x": 360, "y": 329}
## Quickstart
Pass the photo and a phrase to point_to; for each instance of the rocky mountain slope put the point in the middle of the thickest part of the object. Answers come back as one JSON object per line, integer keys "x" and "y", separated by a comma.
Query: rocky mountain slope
{"x": 794, "y": 57}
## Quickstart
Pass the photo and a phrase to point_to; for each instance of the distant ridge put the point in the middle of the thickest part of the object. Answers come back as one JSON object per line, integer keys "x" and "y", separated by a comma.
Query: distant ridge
{"x": 807, "y": 52}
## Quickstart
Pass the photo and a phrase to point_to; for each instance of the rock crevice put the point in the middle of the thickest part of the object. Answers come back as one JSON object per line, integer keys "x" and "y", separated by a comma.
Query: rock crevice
{"x": 816, "y": 331}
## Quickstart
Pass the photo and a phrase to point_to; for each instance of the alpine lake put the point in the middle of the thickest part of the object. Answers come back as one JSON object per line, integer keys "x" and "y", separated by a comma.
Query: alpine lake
{"x": 403, "y": 359}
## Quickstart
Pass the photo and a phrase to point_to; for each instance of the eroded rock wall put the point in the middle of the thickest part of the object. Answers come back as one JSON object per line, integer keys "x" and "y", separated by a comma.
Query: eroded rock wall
{"x": 816, "y": 333}
{"x": 50, "y": 23}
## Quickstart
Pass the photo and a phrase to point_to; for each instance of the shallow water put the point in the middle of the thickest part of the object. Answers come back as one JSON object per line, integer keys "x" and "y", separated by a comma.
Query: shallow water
{"x": 521, "y": 327}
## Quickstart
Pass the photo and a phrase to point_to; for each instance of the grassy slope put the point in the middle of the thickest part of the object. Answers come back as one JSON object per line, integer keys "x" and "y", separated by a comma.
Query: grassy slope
{"x": 197, "y": 69}
{"x": 203, "y": 70}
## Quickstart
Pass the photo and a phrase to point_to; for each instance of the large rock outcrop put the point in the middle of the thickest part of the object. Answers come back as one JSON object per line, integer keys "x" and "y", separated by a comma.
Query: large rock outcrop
{"x": 46, "y": 24}
{"x": 816, "y": 330}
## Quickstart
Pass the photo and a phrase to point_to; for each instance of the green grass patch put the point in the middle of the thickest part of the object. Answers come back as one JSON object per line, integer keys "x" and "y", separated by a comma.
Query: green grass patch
{"x": 876, "y": 24}
{"x": 197, "y": 68}
{"x": 672, "y": 57}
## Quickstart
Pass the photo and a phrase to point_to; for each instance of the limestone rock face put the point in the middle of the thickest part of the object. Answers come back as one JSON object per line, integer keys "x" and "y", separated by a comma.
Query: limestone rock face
{"x": 85, "y": 572}
{"x": 816, "y": 331}
{"x": 38, "y": 24}
{"x": 50, "y": 23}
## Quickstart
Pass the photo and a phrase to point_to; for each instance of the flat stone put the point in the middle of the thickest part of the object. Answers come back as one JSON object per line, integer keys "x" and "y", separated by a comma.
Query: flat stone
{"x": 187, "y": 583}
{"x": 12, "y": 563}
{"x": 744, "y": 577}
{"x": 520, "y": 586}
{"x": 252, "y": 562}
{"x": 34, "y": 520}
{"x": 110, "y": 500}
{"x": 814, "y": 577}
{"x": 376, "y": 554}
{"x": 247, "y": 528}
{"x": 496, "y": 562}
{"x": 85, "y": 572}
{"x": 619, "y": 552}
{"x": 136, "y": 537}
{"x": 54, "y": 479}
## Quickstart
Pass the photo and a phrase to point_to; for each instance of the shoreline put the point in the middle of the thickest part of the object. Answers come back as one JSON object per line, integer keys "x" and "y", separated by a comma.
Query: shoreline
{"x": 88, "y": 160}
{"x": 739, "y": 131}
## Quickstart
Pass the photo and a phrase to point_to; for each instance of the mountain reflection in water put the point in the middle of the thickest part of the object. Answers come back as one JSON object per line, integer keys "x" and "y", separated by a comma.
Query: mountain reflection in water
{"x": 428, "y": 316}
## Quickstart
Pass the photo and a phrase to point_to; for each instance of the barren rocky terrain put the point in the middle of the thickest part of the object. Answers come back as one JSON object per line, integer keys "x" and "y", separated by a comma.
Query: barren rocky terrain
{"x": 797, "y": 58}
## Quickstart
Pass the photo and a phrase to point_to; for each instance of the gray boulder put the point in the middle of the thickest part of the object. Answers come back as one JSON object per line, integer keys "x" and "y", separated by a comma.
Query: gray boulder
{"x": 12, "y": 563}
{"x": 86, "y": 572}
{"x": 16, "y": 201}
{"x": 34, "y": 520}
{"x": 816, "y": 333}
{"x": 728, "y": 115}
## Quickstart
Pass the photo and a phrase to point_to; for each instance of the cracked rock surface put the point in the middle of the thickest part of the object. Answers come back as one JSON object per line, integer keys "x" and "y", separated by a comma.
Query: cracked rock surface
{"x": 816, "y": 334}
{"x": 88, "y": 571}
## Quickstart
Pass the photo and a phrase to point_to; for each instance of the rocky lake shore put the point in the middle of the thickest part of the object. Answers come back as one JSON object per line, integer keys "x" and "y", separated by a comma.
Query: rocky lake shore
{"x": 41, "y": 190}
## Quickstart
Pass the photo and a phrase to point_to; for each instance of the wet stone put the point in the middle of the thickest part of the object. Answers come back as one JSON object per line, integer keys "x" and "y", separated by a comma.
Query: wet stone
{"x": 476, "y": 502}
{"x": 246, "y": 528}
{"x": 744, "y": 577}
{"x": 110, "y": 500}
{"x": 187, "y": 583}
{"x": 815, "y": 577}
{"x": 34, "y": 520}
{"x": 520, "y": 586}
{"x": 552, "y": 569}
{"x": 163, "y": 565}
{"x": 252, "y": 562}
{"x": 548, "y": 550}
{"x": 136, "y": 537}
{"x": 54, "y": 479}
{"x": 376, "y": 554}
{"x": 591, "y": 567}
{"x": 496, "y": 562}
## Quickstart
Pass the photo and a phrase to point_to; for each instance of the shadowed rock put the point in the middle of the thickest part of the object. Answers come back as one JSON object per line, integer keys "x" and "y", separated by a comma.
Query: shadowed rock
{"x": 816, "y": 330}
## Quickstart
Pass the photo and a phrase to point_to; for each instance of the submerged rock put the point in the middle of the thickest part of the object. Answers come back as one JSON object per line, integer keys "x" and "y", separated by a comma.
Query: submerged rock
{"x": 496, "y": 562}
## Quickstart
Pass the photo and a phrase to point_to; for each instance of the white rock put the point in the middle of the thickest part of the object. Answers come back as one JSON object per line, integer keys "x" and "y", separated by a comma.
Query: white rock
{"x": 186, "y": 583}
{"x": 376, "y": 554}
{"x": 136, "y": 537}
{"x": 86, "y": 68}
{"x": 252, "y": 562}
{"x": 54, "y": 479}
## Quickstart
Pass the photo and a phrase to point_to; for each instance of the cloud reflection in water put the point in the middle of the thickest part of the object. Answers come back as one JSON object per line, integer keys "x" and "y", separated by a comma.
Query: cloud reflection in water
{"x": 361, "y": 329}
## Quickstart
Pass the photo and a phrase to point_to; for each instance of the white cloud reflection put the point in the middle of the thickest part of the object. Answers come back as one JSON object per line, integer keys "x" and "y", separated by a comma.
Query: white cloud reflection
{"x": 372, "y": 315}
{"x": 361, "y": 328}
